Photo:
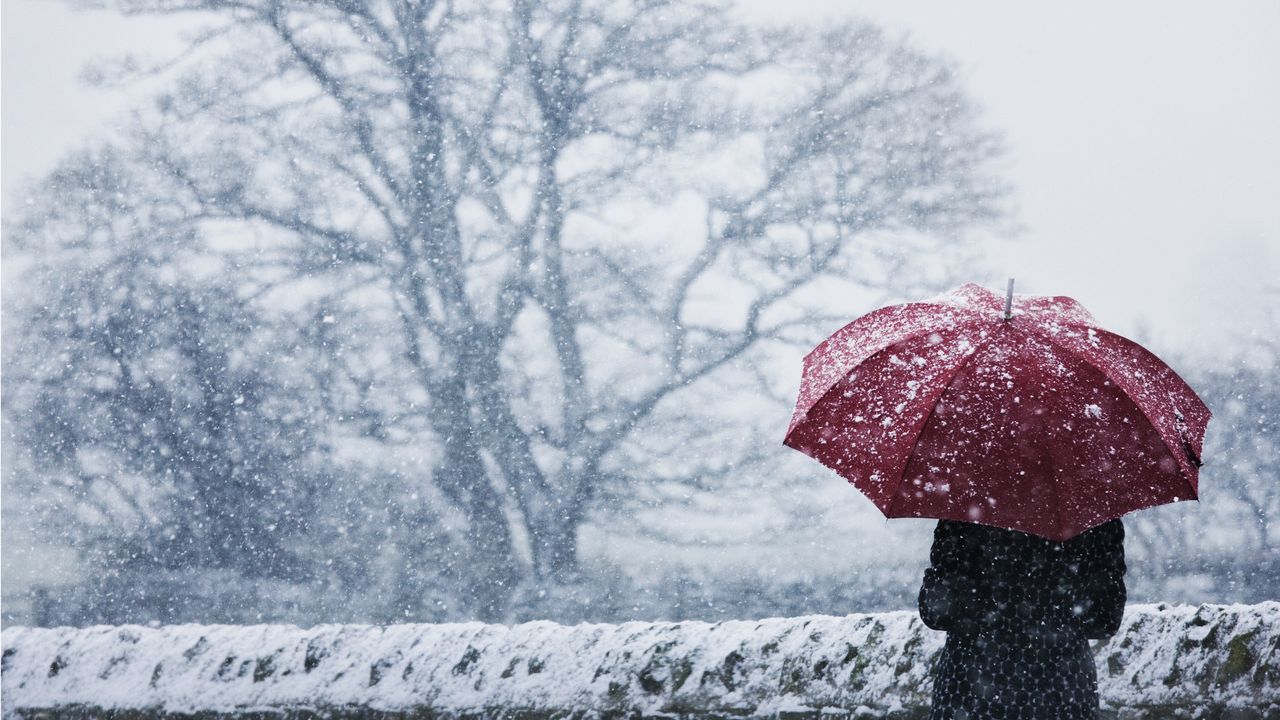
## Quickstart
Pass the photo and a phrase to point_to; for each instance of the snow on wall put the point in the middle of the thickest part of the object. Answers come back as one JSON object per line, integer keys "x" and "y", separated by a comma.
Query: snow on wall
{"x": 1209, "y": 660}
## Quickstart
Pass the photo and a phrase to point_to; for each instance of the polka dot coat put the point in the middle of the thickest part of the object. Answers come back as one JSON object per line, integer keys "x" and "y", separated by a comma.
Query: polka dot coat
{"x": 1018, "y": 611}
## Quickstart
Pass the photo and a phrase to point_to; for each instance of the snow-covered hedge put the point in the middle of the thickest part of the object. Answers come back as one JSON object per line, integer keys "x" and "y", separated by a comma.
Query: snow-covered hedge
{"x": 1166, "y": 661}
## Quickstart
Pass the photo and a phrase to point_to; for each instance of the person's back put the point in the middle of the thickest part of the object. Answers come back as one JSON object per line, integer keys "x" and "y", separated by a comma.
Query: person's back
{"x": 1018, "y": 610}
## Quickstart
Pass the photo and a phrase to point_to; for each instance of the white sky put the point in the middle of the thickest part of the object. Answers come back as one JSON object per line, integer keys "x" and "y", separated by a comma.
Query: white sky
{"x": 1144, "y": 144}
{"x": 1143, "y": 139}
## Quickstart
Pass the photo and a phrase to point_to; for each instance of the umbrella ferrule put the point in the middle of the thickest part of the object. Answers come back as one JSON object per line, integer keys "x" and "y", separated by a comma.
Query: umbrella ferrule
{"x": 1008, "y": 301}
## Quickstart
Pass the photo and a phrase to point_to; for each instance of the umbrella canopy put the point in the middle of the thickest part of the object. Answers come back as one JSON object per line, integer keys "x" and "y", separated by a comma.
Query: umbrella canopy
{"x": 1031, "y": 418}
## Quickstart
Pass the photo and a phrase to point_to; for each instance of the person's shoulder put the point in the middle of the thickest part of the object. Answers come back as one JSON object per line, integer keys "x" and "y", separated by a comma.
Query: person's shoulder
{"x": 1108, "y": 531}
{"x": 959, "y": 527}
{"x": 1111, "y": 527}
{"x": 961, "y": 530}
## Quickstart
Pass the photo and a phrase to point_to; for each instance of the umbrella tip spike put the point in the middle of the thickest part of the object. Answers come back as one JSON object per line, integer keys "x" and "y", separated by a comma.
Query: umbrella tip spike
{"x": 1008, "y": 301}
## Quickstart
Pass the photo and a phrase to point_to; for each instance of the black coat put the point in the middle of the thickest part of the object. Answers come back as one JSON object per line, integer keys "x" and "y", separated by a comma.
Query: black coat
{"x": 1018, "y": 611}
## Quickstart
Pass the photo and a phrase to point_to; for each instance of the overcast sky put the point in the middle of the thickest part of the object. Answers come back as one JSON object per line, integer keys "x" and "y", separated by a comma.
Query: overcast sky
{"x": 1143, "y": 139}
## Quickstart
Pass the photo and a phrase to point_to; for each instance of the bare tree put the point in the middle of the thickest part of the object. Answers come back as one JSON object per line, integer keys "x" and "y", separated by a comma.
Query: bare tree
{"x": 137, "y": 392}
{"x": 1227, "y": 537}
{"x": 442, "y": 182}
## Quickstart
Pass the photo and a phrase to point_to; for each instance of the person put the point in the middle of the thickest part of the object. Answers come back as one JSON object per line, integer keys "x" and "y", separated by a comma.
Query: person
{"x": 1019, "y": 610}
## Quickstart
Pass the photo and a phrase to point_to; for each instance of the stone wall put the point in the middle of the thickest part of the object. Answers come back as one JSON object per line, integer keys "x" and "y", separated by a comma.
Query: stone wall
{"x": 1166, "y": 661}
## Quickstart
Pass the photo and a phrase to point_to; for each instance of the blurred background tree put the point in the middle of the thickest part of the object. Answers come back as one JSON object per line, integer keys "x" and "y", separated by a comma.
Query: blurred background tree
{"x": 381, "y": 305}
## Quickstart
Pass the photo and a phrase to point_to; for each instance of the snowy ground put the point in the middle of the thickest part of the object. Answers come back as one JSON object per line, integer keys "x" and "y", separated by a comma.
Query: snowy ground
{"x": 1202, "y": 660}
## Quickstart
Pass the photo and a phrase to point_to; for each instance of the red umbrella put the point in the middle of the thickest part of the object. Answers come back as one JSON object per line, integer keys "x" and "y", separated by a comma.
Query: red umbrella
{"x": 1017, "y": 412}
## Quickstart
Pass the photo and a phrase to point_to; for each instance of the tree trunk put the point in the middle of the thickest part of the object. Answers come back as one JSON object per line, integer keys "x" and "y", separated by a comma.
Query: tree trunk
{"x": 489, "y": 583}
{"x": 555, "y": 547}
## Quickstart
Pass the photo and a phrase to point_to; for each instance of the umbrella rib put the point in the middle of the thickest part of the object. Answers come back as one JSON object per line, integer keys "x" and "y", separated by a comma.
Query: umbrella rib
{"x": 927, "y": 416}
{"x": 1179, "y": 460}
{"x": 870, "y": 356}
{"x": 873, "y": 315}
{"x": 1057, "y": 502}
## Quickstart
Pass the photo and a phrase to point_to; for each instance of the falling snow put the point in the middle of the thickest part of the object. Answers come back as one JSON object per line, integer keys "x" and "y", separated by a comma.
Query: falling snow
{"x": 384, "y": 318}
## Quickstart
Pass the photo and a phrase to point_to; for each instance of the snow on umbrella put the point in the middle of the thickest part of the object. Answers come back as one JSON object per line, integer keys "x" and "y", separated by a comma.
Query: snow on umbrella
{"x": 1017, "y": 412}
